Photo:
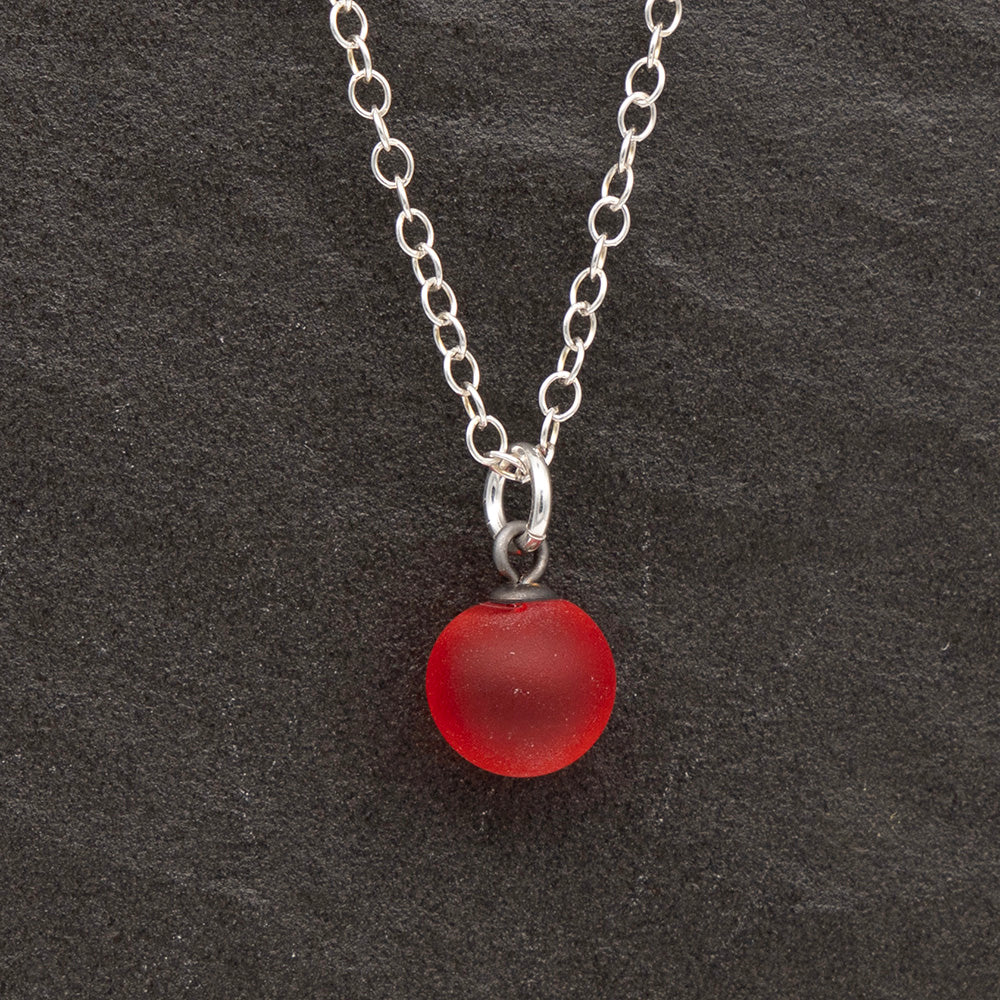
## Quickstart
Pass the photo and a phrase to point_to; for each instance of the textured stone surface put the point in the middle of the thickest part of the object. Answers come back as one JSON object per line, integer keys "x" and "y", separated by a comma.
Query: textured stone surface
{"x": 236, "y": 507}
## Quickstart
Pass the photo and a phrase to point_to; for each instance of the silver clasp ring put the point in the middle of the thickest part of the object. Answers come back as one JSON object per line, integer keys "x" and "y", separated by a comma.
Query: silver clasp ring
{"x": 537, "y": 525}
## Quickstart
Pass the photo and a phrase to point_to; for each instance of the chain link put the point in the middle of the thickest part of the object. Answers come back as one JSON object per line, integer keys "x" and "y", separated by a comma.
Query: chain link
{"x": 427, "y": 267}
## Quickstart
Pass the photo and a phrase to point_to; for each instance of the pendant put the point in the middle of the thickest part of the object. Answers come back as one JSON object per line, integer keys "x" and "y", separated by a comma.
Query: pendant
{"x": 521, "y": 687}
{"x": 523, "y": 684}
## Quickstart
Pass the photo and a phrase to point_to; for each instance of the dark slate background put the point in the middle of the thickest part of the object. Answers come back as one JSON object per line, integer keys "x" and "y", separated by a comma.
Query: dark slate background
{"x": 237, "y": 509}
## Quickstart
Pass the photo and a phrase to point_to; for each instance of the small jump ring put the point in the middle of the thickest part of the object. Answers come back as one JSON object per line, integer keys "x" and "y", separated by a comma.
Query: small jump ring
{"x": 536, "y": 527}
{"x": 501, "y": 555}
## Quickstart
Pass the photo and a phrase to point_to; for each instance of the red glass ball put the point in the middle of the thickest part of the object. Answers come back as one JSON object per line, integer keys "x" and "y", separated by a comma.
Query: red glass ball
{"x": 521, "y": 689}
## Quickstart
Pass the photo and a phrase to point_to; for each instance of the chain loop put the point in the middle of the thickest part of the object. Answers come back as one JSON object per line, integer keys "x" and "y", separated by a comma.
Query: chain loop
{"x": 427, "y": 242}
{"x": 377, "y": 170}
{"x": 352, "y": 94}
{"x": 445, "y": 316}
{"x": 349, "y": 6}
{"x": 610, "y": 202}
{"x": 404, "y": 200}
{"x": 655, "y": 43}
{"x": 455, "y": 324}
{"x": 600, "y": 254}
{"x": 579, "y": 309}
{"x": 382, "y": 130}
{"x": 653, "y": 25}
{"x": 602, "y": 280}
{"x": 548, "y": 437}
{"x": 428, "y": 251}
{"x": 508, "y": 465}
{"x": 581, "y": 352}
{"x": 460, "y": 354}
{"x": 500, "y": 460}
{"x": 612, "y": 173}
{"x": 470, "y": 440}
{"x": 360, "y": 45}
{"x": 640, "y": 100}
{"x": 558, "y": 414}
{"x": 473, "y": 403}
{"x": 661, "y": 78}
{"x": 626, "y": 156}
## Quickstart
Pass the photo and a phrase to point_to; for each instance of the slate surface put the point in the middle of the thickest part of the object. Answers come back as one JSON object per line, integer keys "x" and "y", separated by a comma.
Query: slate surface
{"x": 237, "y": 507}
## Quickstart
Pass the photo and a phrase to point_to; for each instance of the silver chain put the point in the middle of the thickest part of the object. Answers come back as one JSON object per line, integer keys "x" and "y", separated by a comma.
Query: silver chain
{"x": 442, "y": 309}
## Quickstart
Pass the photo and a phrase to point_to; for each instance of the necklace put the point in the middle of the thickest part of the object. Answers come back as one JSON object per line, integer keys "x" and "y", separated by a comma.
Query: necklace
{"x": 523, "y": 684}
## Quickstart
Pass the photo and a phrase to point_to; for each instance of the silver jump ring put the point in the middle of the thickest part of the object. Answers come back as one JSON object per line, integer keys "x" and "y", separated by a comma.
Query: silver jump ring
{"x": 532, "y": 535}
{"x": 501, "y": 554}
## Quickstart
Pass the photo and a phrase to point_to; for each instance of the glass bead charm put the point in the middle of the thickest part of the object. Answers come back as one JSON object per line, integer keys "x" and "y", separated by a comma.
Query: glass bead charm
{"x": 521, "y": 688}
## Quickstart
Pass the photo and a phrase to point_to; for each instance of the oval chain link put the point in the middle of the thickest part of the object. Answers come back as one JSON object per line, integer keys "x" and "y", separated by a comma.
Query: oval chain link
{"x": 606, "y": 235}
